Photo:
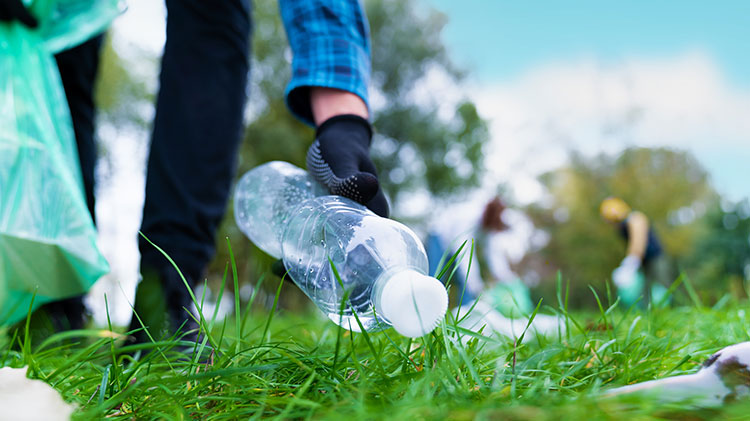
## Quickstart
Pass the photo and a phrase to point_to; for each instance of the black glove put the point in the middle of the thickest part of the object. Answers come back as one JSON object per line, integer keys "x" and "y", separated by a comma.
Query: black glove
{"x": 11, "y": 10}
{"x": 340, "y": 159}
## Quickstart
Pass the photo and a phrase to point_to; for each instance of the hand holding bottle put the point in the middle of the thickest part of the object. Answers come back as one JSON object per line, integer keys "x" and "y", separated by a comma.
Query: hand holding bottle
{"x": 340, "y": 160}
{"x": 363, "y": 271}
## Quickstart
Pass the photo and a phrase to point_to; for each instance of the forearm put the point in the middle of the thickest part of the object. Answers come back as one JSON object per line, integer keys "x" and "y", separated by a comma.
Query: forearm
{"x": 330, "y": 49}
{"x": 329, "y": 102}
{"x": 637, "y": 234}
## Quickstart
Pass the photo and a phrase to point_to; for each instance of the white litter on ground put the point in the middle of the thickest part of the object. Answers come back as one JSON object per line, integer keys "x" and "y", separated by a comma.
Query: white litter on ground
{"x": 23, "y": 399}
{"x": 725, "y": 377}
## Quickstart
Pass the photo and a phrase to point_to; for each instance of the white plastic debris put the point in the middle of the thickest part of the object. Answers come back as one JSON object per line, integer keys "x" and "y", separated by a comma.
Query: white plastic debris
{"x": 476, "y": 316}
{"x": 724, "y": 377}
{"x": 26, "y": 399}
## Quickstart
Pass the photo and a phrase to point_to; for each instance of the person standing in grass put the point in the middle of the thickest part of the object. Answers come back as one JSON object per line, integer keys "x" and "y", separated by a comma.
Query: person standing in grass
{"x": 198, "y": 124}
{"x": 643, "y": 269}
{"x": 486, "y": 270}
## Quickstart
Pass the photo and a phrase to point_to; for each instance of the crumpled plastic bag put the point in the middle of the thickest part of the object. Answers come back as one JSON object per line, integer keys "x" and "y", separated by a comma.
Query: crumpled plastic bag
{"x": 22, "y": 398}
{"x": 47, "y": 238}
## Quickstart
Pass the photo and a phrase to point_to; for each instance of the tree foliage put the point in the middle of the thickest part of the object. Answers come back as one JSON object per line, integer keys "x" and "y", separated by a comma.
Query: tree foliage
{"x": 720, "y": 261}
{"x": 120, "y": 95}
{"x": 414, "y": 147}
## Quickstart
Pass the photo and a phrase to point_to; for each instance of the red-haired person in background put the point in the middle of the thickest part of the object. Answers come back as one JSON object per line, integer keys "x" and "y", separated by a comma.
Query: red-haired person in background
{"x": 499, "y": 238}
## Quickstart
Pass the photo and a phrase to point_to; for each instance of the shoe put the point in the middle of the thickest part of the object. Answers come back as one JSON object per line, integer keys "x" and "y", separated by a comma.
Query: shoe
{"x": 51, "y": 318}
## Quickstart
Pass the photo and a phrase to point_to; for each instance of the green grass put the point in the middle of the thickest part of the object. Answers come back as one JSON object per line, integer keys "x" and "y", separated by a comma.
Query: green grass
{"x": 300, "y": 366}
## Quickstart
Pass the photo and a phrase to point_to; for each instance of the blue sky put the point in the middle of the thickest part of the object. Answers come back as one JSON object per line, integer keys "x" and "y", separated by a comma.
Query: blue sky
{"x": 509, "y": 46}
{"x": 500, "y": 38}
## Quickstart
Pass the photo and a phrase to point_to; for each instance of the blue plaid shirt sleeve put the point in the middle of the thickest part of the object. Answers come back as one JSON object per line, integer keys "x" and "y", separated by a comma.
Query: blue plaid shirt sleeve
{"x": 330, "y": 43}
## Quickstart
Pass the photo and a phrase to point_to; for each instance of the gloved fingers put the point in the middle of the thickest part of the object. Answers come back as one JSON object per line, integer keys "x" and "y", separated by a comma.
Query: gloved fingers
{"x": 340, "y": 159}
{"x": 366, "y": 165}
{"x": 343, "y": 161}
{"x": 344, "y": 143}
{"x": 361, "y": 187}
{"x": 379, "y": 204}
{"x": 14, "y": 9}
{"x": 362, "y": 183}
{"x": 346, "y": 180}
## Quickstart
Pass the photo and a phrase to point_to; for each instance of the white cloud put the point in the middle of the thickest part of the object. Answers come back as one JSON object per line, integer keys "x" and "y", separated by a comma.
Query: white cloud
{"x": 683, "y": 101}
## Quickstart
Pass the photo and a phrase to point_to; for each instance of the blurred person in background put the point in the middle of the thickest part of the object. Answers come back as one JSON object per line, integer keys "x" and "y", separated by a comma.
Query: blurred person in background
{"x": 643, "y": 270}
{"x": 494, "y": 232}
{"x": 198, "y": 125}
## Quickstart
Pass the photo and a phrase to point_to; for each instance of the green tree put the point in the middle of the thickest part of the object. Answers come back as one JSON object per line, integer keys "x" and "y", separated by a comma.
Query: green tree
{"x": 415, "y": 149}
{"x": 720, "y": 261}
{"x": 120, "y": 95}
{"x": 659, "y": 182}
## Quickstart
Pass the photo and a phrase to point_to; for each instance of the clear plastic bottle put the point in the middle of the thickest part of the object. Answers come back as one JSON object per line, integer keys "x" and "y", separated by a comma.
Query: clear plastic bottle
{"x": 381, "y": 264}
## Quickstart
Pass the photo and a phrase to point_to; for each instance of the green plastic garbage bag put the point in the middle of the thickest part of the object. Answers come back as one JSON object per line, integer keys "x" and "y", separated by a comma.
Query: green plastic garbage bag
{"x": 47, "y": 238}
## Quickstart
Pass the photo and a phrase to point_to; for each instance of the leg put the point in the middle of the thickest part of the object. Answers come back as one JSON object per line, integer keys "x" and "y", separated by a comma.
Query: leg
{"x": 195, "y": 138}
{"x": 656, "y": 271}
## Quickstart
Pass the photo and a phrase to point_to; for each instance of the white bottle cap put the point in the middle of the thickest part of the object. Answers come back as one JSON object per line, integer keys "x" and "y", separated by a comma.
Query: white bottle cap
{"x": 413, "y": 303}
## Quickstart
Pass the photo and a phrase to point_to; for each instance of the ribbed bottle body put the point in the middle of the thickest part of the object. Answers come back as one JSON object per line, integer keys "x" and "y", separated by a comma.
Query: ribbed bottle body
{"x": 330, "y": 232}
{"x": 265, "y": 197}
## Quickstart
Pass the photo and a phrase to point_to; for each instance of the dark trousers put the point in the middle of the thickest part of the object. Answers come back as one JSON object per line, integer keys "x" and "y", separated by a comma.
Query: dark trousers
{"x": 196, "y": 133}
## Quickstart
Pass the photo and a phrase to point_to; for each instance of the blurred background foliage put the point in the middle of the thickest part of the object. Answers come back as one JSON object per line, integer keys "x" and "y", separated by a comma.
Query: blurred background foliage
{"x": 674, "y": 192}
{"x": 431, "y": 147}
